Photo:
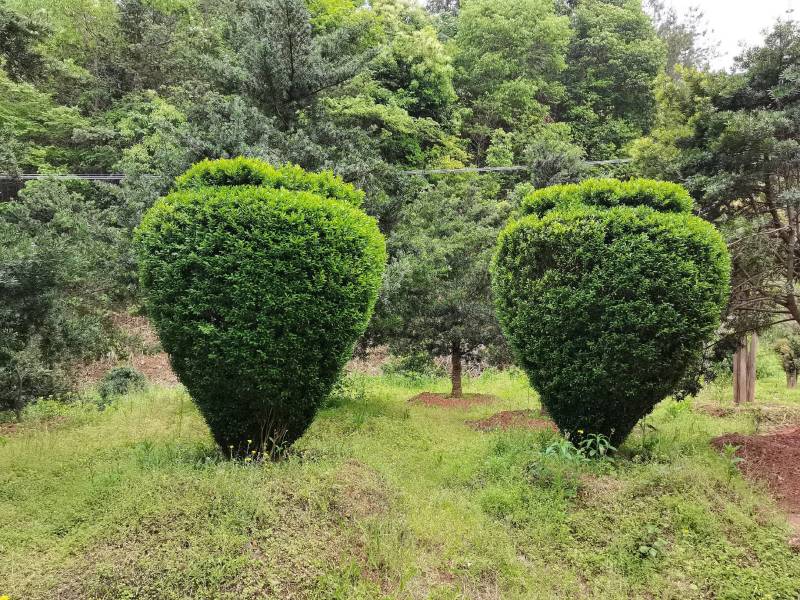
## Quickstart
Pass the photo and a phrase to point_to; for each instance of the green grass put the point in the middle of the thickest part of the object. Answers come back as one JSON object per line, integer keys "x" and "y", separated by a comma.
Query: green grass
{"x": 382, "y": 499}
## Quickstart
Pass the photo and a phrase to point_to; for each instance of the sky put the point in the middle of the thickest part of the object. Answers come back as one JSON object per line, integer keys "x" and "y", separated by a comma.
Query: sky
{"x": 733, "y": 21}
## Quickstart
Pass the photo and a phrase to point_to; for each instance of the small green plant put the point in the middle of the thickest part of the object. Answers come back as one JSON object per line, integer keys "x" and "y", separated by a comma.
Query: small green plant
{"x": 596, "y": 445}
{"x": 731, "y": 460}
{"x": 120, "y": 381}
{"x": 652, "y": 544}
{"x": 677, "y": 409}
{"x": 564, "y": 449}
{"x": 592, "y": 446}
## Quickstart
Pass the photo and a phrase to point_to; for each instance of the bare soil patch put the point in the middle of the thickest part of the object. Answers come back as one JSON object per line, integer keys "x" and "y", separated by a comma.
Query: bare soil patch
{"x": 772, "y": 458}
{"x": 156, "y": 368}
{"x": 360, "y": 491}
{"x": 13, "y": 427}
{"x": 447, "y": 401}
{"x": 141, "y": 350}
{"x": 769, "y": 415}
{"x": 513, "y": 419}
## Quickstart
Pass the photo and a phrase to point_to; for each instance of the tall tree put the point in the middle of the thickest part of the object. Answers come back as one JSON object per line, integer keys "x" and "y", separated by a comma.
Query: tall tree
{"x": 437, "y": 295}
{"x": 686, "y": 37}
{"x": 735, "y": 142}
{"x": 57, "y": 260}
{"x": 509, "y": 55}
{"x": 289, "y": 66}
{"x": 740, "y": 156}
{"x": 613, "y": 60}
{"x": 18, "y": 38}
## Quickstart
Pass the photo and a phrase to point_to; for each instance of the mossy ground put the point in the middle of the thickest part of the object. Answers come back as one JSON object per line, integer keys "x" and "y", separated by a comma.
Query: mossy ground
{"x": 384, "y": 499}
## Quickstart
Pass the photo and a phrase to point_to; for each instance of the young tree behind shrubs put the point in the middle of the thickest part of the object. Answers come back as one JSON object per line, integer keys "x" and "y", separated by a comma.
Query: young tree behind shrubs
{"x": 437, "y": 297}
{"x": 259, "y": 281}
{"x": 607, "y": 291}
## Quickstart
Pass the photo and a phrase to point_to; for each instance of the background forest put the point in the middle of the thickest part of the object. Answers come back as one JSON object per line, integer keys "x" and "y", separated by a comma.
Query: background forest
{"x": 374, "y": 92}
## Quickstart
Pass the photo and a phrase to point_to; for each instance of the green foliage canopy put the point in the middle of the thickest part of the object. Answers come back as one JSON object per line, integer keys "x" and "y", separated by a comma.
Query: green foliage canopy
{"x": 58, "y": 261}
{"x": 509, "y": 56}
{"x": 613, "y": 59}
{"x": 734, "y": 141}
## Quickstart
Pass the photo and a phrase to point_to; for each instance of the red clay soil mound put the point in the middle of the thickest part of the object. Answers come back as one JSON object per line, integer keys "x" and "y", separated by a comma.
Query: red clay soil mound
{"x": 445, "y": 401}
{"x": 773, "y": 458}
{"x": 513, "y": 419}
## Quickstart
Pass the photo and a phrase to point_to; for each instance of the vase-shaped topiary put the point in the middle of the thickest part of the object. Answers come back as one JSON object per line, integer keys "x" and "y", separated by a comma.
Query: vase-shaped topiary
{"x": 607, "y": 291}
{"x": 259, "y": 281}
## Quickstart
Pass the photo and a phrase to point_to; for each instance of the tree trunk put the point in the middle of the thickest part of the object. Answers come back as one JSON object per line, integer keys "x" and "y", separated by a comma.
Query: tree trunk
{"x": 791, "y": 379}
{"x": 751, "y": 367}
{"x": 455, "y": 368}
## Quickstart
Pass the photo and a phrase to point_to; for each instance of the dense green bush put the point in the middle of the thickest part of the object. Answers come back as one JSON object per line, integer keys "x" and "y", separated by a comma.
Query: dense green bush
{"x": 606, "y": 303}
{"x": 120, "y": 381}
{"x": 259, "y": 292}
{"x": 608, "y": 193}
{"x": 58, "y": 255}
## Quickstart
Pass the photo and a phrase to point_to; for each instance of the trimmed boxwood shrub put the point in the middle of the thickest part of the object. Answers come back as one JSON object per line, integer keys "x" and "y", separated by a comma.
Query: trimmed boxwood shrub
{"x": 251, "y": 171}
{"x": 607, "y": 291}
{"x": 259, "y": 281}
{"x": 608, "y": 193}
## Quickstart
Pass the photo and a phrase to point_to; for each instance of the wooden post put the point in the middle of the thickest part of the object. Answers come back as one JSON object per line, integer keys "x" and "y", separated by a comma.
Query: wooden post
{"x": 752, "y": 350}
{"x": 455, "y": 368}
{"x": 740, "y": 371}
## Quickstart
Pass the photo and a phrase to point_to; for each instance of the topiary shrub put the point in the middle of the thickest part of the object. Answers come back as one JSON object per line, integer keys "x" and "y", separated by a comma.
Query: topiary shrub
{"x": 251, "y": 171}
{"x": 259, "y": 281}
{"x": 119, "y": 381}
{"x": 607, "y": 291}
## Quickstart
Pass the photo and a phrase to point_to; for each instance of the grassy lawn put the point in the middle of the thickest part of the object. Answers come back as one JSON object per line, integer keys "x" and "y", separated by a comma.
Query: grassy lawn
{"x": 383, "y": 499}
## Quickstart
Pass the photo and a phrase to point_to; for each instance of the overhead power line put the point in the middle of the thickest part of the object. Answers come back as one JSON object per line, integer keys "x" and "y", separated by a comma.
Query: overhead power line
{"x": 88, "y": 176}
{"x": 614, "y": 161}
{"x": 121, "y": 176}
